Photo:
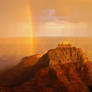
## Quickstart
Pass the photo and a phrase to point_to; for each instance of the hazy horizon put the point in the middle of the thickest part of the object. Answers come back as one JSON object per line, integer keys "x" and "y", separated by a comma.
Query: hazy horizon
{"x": 12, "y": 50}
{"x": 31, "y": 26}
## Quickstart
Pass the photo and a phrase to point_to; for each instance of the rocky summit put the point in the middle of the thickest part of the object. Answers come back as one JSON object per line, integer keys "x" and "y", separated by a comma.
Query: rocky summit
{"x": 63, "y": 69}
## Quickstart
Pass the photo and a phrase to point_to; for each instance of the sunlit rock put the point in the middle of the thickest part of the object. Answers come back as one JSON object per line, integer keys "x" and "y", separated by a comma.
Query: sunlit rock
{"x": 63, "y": 69}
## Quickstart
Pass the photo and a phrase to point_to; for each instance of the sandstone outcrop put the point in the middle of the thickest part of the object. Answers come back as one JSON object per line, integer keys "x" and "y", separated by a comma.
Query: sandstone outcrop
{"x": 63, "y": 69}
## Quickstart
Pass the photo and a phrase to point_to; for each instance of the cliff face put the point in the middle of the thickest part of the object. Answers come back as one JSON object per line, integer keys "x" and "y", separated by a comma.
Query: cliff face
{"x": 63, "y": 69}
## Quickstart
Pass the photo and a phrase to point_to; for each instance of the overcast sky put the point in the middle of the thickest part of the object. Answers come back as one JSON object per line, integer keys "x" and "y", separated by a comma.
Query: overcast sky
{"x": 49, "y": 18}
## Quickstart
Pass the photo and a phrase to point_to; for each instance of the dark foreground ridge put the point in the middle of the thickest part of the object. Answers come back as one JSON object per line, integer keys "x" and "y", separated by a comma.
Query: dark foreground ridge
{"x": 63, "y": 69}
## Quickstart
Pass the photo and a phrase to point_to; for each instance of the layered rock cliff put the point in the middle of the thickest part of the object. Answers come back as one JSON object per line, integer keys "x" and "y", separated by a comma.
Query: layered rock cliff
{"x": 63, "y": 69}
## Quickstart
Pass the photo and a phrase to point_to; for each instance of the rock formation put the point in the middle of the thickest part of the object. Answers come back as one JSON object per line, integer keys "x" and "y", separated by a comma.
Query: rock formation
{"x": 63, "y": 69}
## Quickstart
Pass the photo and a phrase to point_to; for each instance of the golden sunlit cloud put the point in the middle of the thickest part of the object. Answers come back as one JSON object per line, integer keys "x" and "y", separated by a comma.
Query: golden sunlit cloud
{"x": 63, "y": 28}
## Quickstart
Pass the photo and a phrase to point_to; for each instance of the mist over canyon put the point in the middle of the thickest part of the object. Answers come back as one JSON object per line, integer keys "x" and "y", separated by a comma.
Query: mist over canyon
{"x": 63, "y": 69}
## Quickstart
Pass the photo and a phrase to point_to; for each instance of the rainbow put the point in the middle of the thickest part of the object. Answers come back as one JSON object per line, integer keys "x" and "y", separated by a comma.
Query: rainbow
{"x": 29, "y": 14}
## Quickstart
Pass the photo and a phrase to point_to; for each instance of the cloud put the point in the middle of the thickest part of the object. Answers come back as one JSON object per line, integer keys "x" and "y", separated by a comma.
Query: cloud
{"x": 62, "y": 28}
{"x": 51, "y": 25}
{"x": 48, "y": 12}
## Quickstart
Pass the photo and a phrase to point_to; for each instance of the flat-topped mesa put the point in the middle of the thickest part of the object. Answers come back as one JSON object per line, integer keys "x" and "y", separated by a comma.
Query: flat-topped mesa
{"x": 66, "y": 53}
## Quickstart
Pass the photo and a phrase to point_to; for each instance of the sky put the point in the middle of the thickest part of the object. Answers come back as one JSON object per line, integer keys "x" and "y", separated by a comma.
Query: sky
{"x": 65, "y": 18}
